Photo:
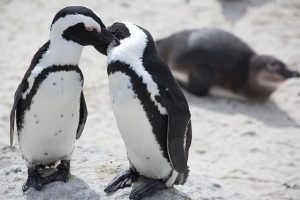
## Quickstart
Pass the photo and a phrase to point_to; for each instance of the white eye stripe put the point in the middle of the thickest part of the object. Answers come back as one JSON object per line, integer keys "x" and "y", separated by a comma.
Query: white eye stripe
{"x": 65, "y": 22}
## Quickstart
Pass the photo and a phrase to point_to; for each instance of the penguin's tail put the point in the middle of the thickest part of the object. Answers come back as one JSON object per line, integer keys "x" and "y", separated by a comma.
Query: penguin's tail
{"x": 182, "y": 178}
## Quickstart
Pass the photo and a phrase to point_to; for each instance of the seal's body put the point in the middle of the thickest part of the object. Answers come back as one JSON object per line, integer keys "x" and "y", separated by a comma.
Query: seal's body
{"x": 213, "y": 61}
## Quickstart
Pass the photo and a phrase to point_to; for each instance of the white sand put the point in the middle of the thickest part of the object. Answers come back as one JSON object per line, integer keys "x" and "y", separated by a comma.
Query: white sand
{"x": 248, "y": 149}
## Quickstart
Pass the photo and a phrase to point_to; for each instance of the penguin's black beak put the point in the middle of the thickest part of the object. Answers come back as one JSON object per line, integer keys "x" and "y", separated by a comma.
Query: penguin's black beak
{"x": 102, "y": 48}
{"x": 107, "y": 39}
{"x": 89, "y": 36}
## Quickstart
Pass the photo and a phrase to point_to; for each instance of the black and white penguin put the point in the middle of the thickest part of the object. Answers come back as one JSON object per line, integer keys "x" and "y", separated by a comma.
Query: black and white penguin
{"x": 49, "y": 104}
{"x": 212, "y": 61}
{"x": 151, "y": 112}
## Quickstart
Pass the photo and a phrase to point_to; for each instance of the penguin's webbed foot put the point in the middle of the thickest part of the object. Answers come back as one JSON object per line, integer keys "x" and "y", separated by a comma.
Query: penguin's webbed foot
{"x": 122, "y": 180}
{"x": 62, "y": 173}
{"x": 37, "y": 181}
{"x": 146, "y": 189}
{"x": 34, "y": 180}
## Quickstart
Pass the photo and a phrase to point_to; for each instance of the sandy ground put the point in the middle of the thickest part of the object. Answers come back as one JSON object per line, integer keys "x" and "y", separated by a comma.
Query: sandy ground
{"x": 92, "y": 168}
{"x": 248, "y": 149}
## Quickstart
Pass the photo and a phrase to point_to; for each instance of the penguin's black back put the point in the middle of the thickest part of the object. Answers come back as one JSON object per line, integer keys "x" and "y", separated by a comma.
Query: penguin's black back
{"x": 35, "y": 60}
{"x": 24, "y": 83}
{"x": 217, "y": 54}
{"x": 159, "y": 70}
{"x": 167, "y": 86}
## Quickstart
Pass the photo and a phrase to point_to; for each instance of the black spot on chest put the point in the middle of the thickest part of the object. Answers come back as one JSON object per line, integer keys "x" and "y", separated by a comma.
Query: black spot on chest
{"x": 24, "y": 104}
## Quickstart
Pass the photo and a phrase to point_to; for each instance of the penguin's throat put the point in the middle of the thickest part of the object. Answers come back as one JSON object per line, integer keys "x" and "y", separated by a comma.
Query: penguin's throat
{"x": 128, "y": 55}
{"x": 61, "y": 52}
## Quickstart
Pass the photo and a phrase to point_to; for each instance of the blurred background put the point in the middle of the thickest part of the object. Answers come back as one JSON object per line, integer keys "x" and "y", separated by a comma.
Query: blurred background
{"x": 252, "y": 149}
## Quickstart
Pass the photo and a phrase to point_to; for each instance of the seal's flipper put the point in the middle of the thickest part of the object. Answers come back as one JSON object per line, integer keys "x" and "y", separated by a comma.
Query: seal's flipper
{"x": 200, "y": 81}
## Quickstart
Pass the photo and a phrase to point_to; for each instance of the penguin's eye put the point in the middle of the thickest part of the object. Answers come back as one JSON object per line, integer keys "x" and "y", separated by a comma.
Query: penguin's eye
{"x": 89, "y": 28}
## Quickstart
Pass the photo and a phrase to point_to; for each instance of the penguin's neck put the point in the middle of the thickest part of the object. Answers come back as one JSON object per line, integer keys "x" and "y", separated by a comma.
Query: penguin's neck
{"x": 61, "y": 52}
{"x": 128, "y": 51}
{"x": 131, "y": 48}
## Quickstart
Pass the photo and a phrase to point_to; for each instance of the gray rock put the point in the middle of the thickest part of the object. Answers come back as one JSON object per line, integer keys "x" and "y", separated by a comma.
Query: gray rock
{"x": 76, "y": 188}
{"x": 166, "y": 194}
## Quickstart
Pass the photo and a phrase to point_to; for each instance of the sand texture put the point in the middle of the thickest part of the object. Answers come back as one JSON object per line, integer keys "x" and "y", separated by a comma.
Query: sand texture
{"x": 239, "y": 150}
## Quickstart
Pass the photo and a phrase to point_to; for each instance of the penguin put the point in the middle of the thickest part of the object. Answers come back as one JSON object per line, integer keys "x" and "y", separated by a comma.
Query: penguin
{"x": 151, "y": 112}
{"x": 211, "y": 61}
{"x": 49, "y": 105}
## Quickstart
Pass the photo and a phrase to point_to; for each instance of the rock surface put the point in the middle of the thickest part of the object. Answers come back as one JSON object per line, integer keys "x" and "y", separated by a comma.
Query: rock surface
{"x": 76, "y": 188}
{"x": 166, "y": 194}
{"x": 92, "y": 169}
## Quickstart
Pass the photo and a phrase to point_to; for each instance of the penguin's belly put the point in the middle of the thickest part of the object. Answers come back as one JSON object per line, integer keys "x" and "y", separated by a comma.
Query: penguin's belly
{"x": 50, "y": 124}
{"x": 144, "y": 152}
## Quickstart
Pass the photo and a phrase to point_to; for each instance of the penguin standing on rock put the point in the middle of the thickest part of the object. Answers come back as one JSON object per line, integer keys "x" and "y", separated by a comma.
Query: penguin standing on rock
{"x": 151, "y": 112}
{"x": 49, "y": 104}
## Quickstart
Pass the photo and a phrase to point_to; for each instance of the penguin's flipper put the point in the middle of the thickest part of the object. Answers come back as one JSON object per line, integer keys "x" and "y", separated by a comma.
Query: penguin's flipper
{"x": 17, "y": 97}
{"x": 179, "y": 118}
{"x": 83, "y": 113}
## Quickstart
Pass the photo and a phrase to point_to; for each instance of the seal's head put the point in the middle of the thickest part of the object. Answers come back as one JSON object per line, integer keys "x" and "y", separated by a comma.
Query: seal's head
{"x": 269, "y": 71}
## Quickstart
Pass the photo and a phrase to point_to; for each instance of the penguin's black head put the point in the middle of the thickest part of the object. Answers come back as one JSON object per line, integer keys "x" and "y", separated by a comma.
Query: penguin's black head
{"x": 137, "y": 38}
{"x": 80, "y": 25}
{"x": 119, "y": 30}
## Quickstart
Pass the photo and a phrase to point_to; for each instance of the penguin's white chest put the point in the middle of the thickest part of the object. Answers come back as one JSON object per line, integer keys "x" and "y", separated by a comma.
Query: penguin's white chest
{"x": 143, "y": 150}
{"x": 50, "y": 125}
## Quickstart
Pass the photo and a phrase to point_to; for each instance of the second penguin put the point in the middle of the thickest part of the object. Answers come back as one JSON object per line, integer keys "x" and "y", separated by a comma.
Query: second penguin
{"x": 151, "y": 112}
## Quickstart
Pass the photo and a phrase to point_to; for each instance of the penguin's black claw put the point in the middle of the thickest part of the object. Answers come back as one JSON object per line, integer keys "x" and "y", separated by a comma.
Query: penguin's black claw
{"x": 146, "y": 190}
{"x": 36, "y": 183}
{"x": 34, "y": 180}
{"x": 62, "y": 175}
{"x": 63, "y": 172}
{"x": 122, "y": 180}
